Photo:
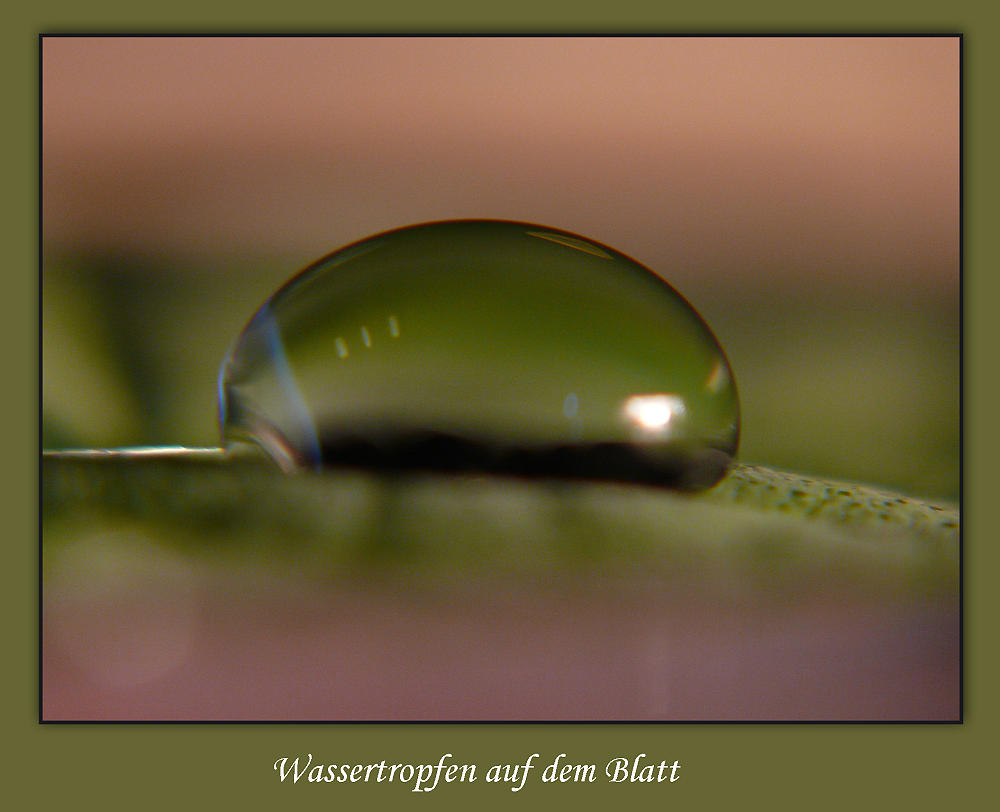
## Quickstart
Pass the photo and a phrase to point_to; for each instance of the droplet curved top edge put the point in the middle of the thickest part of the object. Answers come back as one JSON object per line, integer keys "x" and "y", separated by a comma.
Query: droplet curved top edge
{"x": 456, "y": 345}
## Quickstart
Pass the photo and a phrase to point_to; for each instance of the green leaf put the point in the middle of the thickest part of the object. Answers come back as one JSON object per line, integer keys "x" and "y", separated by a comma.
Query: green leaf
{"x": 760, "y": 531}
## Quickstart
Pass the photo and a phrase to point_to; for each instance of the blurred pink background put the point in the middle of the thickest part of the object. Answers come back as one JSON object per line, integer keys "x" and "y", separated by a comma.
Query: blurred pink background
{"x": 834, "y": 156}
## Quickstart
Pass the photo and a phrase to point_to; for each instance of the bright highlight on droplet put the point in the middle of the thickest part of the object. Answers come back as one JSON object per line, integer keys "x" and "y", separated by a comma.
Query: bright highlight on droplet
{"x": 653, "y": 413}
{"x": 526, "y": 351}
{"x": 719, "y": 376}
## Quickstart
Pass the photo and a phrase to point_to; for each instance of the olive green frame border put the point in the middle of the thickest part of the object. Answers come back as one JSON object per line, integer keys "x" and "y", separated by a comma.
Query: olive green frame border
{"x": 784, "y": 766}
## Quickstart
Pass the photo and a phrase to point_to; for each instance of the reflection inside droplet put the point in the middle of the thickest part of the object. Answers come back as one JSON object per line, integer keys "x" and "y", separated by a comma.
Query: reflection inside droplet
{"x": 483, "y": 346}
{"x": 655, "y": 414}
{"x": 570, "y": 405}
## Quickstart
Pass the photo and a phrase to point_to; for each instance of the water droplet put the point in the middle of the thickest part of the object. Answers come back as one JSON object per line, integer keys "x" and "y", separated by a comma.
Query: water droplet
{"x": 483, "y": 346}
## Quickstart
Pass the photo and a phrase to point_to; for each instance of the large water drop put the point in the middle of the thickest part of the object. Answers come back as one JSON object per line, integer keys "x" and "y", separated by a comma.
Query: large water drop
{"x": 483, "y": 345}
